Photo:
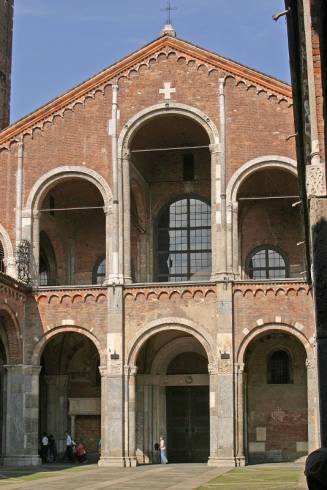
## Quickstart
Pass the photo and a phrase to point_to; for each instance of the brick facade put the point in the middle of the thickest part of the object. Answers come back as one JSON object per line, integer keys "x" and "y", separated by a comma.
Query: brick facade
{"x": 79, "y": 152}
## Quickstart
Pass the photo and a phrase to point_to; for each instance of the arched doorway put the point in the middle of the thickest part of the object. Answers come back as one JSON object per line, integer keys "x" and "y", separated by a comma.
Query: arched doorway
{"x": 70, "y": 390}
{"x": 276, "y": 419}
{"x": 172, "y": 398}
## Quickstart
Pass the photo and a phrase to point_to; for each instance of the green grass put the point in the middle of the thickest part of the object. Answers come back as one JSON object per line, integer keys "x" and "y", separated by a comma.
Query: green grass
{"x": 255, "y": 479}
{"x": 12, "y": 475}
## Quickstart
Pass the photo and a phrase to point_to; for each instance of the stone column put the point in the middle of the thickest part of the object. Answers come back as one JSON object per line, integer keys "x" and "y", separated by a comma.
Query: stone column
{"x": 22, "y": 415}
{"x": 35, "y": 247}
{"x": 235, "y": 241}
{"x": 130, "y": 415}
{"x": 215, "y": 207}
{"x": 222, "y": 385}
{"x": 57, "y": 408}
{"x": 240, "y": 413}
{"x": 112, "y": 385}
{"x": 127, "y": 217}
{"x": 313, "y": 404}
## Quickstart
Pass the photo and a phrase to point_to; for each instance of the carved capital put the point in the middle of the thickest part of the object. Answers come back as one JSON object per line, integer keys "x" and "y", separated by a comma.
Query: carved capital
{"x": 316, "y": 180}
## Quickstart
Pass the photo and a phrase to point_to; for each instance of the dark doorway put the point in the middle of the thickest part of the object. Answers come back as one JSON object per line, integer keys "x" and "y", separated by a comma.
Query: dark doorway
{"x": 188, "y": 436}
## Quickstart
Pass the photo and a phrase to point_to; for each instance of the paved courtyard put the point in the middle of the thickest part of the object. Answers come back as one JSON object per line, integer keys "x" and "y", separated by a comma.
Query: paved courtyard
{"x": 170, "y": 477}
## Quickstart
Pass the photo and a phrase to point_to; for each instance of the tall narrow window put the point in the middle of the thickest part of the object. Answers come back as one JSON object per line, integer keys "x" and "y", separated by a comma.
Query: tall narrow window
{"x": 2, "y": 259}
{"x": 44, "y": 271}
{"x": 279, "y": 369}
{"x": 99, "y": 271}
{"x": 184, "y": 241}
{"x": 267, "y": 263}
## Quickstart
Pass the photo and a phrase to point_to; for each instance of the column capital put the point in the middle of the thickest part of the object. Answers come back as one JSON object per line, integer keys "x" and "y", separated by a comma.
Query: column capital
{"x": 310, "y": 363}
{"x": 130, "y": 370}
{"x": 212, "y": 368}
{"x": 27, "y": 368}
{"x": 214, "y": 148}
{"x": 239, "y": 367}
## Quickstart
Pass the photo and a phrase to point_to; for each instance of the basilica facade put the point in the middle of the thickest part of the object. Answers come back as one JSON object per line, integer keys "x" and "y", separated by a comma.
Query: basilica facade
{"x": 153, "y": 274}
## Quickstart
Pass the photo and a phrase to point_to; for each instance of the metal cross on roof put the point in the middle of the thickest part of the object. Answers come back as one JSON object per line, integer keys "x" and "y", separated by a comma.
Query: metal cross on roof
{"x": 169, "y": 10}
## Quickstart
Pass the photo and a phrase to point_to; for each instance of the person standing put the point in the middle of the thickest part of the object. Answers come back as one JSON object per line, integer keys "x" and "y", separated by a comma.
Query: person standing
{"x": 69, "y": 454}
{"x": 81, "y": 452}
{"x": 52, "y": 449}
{"x": 44, "y": 447}
{"x": 163, "y": 451}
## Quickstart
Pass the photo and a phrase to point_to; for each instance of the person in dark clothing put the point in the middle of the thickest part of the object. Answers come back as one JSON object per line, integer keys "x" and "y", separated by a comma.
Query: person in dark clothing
{"x": 316, "y": 469}
{"x": 52, "y": 452}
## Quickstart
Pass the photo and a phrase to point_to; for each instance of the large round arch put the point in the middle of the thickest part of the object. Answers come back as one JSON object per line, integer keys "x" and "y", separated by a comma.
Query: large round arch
{"x": 51, "y": 178}
{"x": 252, "y": 166}
{"x": 173, "y": 108}
{"x": 43, "y": 341}
{"x": 166, "y": 324}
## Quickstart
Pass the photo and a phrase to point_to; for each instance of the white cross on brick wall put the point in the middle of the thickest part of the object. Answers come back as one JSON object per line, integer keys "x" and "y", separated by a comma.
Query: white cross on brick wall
{"x": 167, "y": 90}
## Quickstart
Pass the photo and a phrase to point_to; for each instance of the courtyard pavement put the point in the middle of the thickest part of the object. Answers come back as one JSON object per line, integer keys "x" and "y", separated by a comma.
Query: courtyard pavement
{"x": 153, "y": 477}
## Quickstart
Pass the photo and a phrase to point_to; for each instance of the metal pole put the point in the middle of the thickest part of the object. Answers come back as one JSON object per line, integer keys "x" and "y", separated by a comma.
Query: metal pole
{"x": 171, "y": 149}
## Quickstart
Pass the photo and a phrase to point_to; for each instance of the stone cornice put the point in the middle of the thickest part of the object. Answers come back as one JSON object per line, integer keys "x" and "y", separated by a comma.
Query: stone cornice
{"x": 132, "y": 62}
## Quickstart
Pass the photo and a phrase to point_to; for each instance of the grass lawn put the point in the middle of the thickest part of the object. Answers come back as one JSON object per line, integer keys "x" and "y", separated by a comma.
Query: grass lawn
{"x": 8, "y": 474}
{"x": 277, "y": 478}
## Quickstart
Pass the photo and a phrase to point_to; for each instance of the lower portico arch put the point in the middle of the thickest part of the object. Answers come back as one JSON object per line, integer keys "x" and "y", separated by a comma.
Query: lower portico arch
{"x": 169, "y": 364}
{"x": 276, "y": 387}
{"x": 70, "y": 387}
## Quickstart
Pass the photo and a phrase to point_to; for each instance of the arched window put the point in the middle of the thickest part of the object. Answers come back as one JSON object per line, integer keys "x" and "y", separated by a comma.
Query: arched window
{"x": 99, "y": 271}
{"x": 267, "y": 263}
{"x": 2, "y": 259}
{"x": 279, "y": 368}
{"x": 44, "y": 271}
{"x": 184, "y": 241}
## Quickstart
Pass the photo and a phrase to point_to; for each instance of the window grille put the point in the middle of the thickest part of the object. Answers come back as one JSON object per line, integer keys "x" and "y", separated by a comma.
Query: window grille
{"x": 279, "y": 368}
{"x": 267, "y": 263}
{"x": 99, "y": 272}
{"x": 184, "y": 241}
{"x": 2, "y": 259}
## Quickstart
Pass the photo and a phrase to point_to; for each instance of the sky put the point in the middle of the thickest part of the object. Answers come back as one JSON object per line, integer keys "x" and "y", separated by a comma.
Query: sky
{"x": 60, "y": 43}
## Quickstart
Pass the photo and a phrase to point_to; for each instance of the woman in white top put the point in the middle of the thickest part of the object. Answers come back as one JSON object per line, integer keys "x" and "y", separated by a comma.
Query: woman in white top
{"x": 163, "y": 451}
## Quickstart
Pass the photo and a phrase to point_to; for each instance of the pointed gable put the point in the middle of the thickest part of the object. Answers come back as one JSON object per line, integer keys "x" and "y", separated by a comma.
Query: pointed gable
{"x": 163, "y": 47}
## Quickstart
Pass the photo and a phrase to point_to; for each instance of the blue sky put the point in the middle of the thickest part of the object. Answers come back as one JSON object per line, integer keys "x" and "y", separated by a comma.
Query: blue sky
{"x": 60, "y": 43}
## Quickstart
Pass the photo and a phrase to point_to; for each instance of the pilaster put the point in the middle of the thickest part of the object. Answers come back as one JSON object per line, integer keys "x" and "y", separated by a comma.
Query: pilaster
{"x": 22, "y": 415}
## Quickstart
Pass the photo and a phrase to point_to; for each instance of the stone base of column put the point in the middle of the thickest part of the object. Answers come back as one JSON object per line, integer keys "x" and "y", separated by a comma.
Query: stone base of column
{"x": 222, "y": 462}
{"x": 240, "y": 461}
{"x": 118, "y": 462}
{"x": 28, "y": 460}
{"x": 130, "y": 462}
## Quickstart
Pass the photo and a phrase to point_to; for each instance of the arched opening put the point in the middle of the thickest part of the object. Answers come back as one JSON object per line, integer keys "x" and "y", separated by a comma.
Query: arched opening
{"x": 72, "y": 233}
{"x": 170, "y": 156}
{"x": 70, "y": 391}
{"x": 270, "y": 228}
{"x": 172, "y": 398}
{"x": 276, "y": 418}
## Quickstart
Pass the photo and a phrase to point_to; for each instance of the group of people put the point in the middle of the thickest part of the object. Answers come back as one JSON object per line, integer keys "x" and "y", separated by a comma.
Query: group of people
{"x": 48, "y": 449}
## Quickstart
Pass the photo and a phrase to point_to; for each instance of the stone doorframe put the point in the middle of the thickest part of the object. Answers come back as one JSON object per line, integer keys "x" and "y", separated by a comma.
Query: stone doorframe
{"x": 312, "y": 387}
{"x": 124, "y": 164}
{"x": 31, "y": 215}
{"x": 234, "y": 184}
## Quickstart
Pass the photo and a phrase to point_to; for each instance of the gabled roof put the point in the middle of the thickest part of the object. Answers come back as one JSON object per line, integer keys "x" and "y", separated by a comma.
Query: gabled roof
{"x": 113, "y": 72}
